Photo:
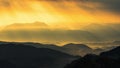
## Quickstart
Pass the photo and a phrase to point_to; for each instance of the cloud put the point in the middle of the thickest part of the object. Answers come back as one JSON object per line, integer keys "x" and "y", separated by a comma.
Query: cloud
{"x": 91, "y": 33}
{"x": 22, "y": 26}
{"x": 111, "y": 5}
{"x": 52, "y": 11}
{"x": 5, "y": 3}
{"x": 50, "y": 36}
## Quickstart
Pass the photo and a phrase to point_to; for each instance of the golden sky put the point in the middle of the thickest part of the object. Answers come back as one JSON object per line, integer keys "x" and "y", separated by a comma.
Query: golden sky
{"x": 60, "y": 21}
{"x": 69, "y": 12}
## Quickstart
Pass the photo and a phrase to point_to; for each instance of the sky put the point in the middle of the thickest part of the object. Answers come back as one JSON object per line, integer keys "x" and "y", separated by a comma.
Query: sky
{"x": 60, "y": 21}
{"x": 69, "y": 12}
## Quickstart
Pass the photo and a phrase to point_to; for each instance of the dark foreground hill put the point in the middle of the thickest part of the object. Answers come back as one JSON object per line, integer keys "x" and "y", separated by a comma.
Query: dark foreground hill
{"x": 110, "y": 59}
{"x": 114, "y": 53}
{"x": 14, "y": 55}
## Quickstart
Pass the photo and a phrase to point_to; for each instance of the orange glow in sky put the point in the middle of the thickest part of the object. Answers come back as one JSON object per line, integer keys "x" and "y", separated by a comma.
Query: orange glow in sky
{"x": 50, "y": 12}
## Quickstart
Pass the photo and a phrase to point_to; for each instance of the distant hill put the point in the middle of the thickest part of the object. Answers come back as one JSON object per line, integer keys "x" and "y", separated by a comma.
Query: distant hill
{"x": 98, "y": 51}
{"x": 70, "y": 48}
{"x": 37, "y": 55}
{"x": 77, "y": 49}
{"x": 23, "y": 56}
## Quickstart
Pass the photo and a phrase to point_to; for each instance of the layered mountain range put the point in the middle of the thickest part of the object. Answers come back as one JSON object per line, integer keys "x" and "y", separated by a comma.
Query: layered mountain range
{"x": 37, "y": 55}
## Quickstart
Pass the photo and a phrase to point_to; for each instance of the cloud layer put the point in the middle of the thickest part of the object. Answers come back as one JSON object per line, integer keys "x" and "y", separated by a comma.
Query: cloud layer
{"x": 90, "y": 33}
{"x": 57, "y": 11}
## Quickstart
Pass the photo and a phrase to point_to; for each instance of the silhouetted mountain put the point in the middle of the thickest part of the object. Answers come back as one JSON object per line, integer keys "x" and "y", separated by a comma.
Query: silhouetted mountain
{"x": 94, "y": 61}
{"x": 83, "y": 49}
{"x": 6, "y": 64}
{"x": 71, "y": 48}
{"x": 77, "y": 49}
{"x": 23, "y": 56}
{"x": 98, "y": 51}
{"x": 114, "y": 53}
{"x": 72, "y": 45}
{"x": 40, "y": 45}
{"x": 109, "y": 59}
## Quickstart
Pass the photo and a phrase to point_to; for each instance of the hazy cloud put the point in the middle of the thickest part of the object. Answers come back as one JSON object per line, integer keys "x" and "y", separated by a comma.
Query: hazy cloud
{"x": 5, "y": 3}
{"x": 111, "y": 5}
{"x": 91, "y": 33}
